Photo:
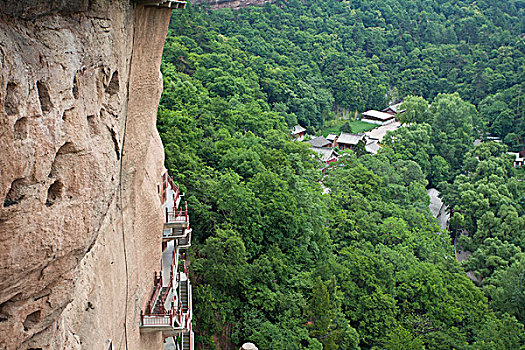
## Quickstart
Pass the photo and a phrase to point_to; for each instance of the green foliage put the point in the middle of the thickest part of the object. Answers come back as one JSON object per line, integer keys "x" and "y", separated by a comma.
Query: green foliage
{"x": 310, "y": 56}
{"x": 452, "y": 128}
{"x": 346, "y": 127}
{"x": 488, "y": 210}
{"x": 401, "y": 339}
{"x": 334, "y": 126}
{"x": 278, "y": 263}
{"x": 416, "y": 110}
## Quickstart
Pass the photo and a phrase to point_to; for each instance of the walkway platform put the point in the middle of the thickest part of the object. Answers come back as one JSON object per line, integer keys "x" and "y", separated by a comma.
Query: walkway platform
{"x": 172, "y": 4}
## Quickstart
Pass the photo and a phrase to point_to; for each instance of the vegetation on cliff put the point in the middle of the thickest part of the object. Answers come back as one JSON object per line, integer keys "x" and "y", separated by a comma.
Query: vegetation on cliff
{"x": 286, "y": 267}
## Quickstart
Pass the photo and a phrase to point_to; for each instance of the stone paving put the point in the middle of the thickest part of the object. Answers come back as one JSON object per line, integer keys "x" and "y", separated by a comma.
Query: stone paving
{"x": 380, "y": 132}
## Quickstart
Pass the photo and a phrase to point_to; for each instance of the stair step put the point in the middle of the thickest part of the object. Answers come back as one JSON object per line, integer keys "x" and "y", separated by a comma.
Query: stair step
{"x": 186, "y": 341}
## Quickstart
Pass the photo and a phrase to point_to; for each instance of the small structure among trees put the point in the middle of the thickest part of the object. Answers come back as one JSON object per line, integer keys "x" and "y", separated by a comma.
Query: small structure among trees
{"x": 519, "y": 160}
{"x": 348, "y": 141}
{"x": 320, "y": 141}
{"x": 298, "y": 132}
{"x": 326, "y": 155}
{"x": 377, "y": 117}
{"x": 394, "y": 109}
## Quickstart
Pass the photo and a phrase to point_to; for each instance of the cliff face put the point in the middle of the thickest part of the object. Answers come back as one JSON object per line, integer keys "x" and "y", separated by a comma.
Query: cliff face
{"x": 233, "y": 4}
{"x": 80, "y": 161}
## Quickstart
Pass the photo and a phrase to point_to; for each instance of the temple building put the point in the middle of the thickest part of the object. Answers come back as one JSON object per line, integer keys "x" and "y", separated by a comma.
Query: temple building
{"x": 377, "y": 117}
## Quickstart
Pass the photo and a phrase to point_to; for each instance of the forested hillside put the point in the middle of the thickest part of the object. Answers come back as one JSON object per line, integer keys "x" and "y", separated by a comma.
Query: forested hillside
{"x": 358, "y": 55}
{"x": 366, "y": 266}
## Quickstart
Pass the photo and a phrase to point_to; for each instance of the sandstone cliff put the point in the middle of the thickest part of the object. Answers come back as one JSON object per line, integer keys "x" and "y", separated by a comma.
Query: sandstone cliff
{"x": 233, "y": 4}
{"x": 80, "y": 161}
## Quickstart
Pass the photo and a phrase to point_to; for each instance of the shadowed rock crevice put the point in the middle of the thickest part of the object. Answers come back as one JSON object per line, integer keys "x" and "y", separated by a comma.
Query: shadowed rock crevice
{"x": 54, "y": 192}
{"x": 114, "y": 85}
{"x": 31, "y": 320}
{"x": 67, "y": 148}
{"x": 4, "y": 315}
{"x": 75, "y": 88}
{"x": 21, "y": 128}
{"x": 66, "y": 115}
{"x": 43, "y": 95}
{"x": 15, "y": 194}
{"x": 10, "y": 105}
{"x": 115, "y": 142}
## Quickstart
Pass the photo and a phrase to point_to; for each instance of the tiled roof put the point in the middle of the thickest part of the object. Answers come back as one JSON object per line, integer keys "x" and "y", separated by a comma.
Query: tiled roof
{"x": 349, "y": 139}
{"x": 319, "y": 142}
{"x": 297, "y": 129}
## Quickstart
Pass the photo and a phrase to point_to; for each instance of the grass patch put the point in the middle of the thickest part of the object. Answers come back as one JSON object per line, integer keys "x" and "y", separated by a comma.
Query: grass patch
{"x": 332, "y": 126}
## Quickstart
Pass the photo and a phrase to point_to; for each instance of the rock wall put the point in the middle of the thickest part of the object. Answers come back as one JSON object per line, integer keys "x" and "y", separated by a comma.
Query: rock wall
{"x": 80, "y": 161}
{"x": 233, "y": 4}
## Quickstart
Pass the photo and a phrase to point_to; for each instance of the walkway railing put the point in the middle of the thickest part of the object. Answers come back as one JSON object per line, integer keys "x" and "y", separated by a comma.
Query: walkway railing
{"x": 177, "y": 215}
{"x": 161, "y": 315}
{"x": 157, "y": 283}
{"x": 173, "y": 4}
{"x": 165, "y": 319}
{"x": 167, "y": 182}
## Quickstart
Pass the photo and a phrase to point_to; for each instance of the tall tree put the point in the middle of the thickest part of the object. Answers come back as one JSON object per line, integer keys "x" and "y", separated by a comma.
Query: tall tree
{"x": 452, "y": 128}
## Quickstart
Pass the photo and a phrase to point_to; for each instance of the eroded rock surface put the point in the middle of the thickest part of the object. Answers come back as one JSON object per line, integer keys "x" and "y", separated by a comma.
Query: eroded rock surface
{"x": 80, "y": 160}
{"x": 233, "y": 4}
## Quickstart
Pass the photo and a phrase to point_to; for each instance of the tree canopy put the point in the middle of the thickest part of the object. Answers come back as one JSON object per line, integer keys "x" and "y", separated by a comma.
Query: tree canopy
{"x": 280, "y": 262}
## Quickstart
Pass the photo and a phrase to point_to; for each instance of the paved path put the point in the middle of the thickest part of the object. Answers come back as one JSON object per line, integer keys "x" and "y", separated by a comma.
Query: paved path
{"x": 464, "y": 255}
{"x": 380, "y": 132}
{"x": 438, "y": 209}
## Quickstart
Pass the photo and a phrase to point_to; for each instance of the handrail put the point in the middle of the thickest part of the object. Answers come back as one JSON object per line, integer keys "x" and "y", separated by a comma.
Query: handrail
{"x": 189, "y": 292}
{"x": 163, "y": 319}
{"x": 170, "y": 283}
{"x": 179, "y": 299}
{"x": 176, "y": 215}
{"x": 180, "y": 313}
{"x": 174, "y": 187}
{"x": 165, "y": 296}
{"x": 157, "y": 282}
{"x": 186, "y": 269}
{"x": 190, "y": 299}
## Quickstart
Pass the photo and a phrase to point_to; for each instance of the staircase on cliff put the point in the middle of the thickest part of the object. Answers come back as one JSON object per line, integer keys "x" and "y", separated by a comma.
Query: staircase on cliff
{"x": 186, "y": 341}
{"x": 169, "y": 309}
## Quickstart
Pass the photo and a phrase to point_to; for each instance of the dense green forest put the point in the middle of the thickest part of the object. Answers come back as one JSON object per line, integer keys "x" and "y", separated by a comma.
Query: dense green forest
{"x": 281, "y": 264}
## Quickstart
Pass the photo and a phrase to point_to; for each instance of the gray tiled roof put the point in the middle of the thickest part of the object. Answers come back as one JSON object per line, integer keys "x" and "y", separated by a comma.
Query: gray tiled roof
{"x": 395, "y": 108}
{"x": 372, "y": 147}
{"x": 325, "y": 153}
{"x": 349, "y": 139}
{"x": 319, "y": 142}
